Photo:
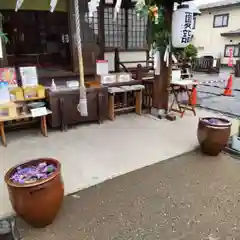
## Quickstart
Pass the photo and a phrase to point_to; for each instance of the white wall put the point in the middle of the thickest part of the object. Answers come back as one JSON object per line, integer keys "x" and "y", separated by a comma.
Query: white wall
{"x": 208, "y": 40}
{"x": 126, "y": 56}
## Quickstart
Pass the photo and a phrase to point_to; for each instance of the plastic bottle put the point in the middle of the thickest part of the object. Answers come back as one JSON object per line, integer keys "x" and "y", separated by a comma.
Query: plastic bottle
{"x": 53, "y": 85}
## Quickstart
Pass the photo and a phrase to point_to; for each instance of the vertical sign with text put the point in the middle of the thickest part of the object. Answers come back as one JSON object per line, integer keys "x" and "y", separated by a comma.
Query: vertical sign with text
{"x": 230, "y": 60}
{"x": 187, "y": 28}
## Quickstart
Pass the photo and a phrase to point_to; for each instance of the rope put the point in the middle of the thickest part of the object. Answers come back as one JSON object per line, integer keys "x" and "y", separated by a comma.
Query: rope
{"x": 79, "y": 42}
{"x": 82, "y": 105}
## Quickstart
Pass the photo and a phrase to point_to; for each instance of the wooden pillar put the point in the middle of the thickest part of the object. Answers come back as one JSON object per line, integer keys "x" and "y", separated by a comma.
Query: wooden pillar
{"x": 72, "y": 36}
{"x": 162, "y": 81}
{"x": 101, "y": 29}
{"x": 116, "y": 60}
{"x": 3, "y": 61}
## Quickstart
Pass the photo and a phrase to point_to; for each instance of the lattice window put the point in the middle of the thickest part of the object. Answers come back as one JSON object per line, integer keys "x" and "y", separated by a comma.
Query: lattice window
{"x": 114, "y": 30}
{"x": 137, "y": 30}
{"x": 129, "y": 31}
{"x": 90, "y": 28}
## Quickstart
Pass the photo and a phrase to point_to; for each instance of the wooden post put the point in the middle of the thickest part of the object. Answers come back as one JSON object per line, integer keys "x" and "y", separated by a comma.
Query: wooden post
{"x": 162, "y": 81}
{"x": 3, "y": 61}
{"x": 139, "y": 72}
{"x": 101, "y": 29}
{"x": 72, "y": 34}
{"x": 116, "y": 60}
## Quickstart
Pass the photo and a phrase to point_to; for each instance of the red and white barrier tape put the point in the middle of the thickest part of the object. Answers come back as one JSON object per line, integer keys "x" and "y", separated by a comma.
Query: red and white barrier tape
{"x": 213, "y": 83}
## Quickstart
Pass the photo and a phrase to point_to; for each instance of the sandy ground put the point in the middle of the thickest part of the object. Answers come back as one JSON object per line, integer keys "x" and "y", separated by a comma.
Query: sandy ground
{"x": 91, "y": 154}
{"x": 188, "y": 197}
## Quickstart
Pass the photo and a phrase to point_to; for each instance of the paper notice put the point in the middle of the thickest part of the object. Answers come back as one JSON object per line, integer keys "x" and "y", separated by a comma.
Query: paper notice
{"x": 18, "y": 4}
{"x": 53, "y": 5}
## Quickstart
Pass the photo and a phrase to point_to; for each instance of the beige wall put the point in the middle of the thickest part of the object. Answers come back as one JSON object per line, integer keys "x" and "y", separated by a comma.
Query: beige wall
{"x": 208, "y": 40}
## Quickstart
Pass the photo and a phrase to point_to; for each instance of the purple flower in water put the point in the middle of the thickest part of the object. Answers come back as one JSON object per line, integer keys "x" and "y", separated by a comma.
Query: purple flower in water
{"x": 213, "y": 121}
{"x": 32, "y": 173}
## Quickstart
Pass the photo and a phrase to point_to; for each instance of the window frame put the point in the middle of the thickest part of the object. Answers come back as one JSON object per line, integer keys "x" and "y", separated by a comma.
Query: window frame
{"x": 126, "y": 46}
{"x": 233, "y": 46}
{"x": 194, "y": 22}
{"x": 221, "y": 15}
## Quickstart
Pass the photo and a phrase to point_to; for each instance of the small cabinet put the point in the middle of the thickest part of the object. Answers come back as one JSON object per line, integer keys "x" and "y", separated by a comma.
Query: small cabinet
{"x": 64, "y": 106}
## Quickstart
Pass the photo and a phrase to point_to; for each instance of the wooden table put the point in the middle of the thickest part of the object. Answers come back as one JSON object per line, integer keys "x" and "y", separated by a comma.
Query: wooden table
{"x": 22, "y": 116}
{"x": 177, "y": 88}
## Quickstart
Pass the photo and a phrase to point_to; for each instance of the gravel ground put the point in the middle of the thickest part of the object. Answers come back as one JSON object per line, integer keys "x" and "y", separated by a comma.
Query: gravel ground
{"x": 188, "y": 197}
{"x": 210, "y": 96}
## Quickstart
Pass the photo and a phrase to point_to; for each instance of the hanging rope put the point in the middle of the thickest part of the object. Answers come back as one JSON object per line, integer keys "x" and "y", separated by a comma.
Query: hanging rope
{"x": 82, "y": 106}
{"x": 78, "y": 30}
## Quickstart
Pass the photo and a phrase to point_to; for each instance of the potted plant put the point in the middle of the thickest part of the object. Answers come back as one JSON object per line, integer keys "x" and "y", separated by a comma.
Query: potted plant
{"x": 190, "y": 52}
{"x": 213, "y": 134}
{"x": 186, "y": 58}
{"x": 36, "y": 190}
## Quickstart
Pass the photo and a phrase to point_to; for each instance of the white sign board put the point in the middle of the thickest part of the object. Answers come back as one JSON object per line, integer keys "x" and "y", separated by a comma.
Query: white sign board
{"x": 102, "y": 67}
{"x": 29, "y": 76}
{"x": 38, "y": 112}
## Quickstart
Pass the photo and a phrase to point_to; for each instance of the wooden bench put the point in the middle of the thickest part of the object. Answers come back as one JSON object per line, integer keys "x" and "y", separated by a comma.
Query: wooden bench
{"x": 123, "y": 105}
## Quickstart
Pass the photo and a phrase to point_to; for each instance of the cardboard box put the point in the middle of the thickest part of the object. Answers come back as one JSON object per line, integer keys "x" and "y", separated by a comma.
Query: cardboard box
{"x": 124, "y": 77}
{"x": 108, "y": 78}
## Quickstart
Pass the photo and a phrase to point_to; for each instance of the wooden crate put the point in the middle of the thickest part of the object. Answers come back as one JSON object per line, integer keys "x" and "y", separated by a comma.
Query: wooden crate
{"x": 16, "y": 94}
{"x": 8, "y": 110}
{"x": 33, "y": 93}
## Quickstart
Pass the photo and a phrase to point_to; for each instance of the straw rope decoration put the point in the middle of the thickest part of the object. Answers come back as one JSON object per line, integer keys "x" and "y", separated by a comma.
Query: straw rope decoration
{"x": 82, "y": 105}
{"x": 3, "y": 36}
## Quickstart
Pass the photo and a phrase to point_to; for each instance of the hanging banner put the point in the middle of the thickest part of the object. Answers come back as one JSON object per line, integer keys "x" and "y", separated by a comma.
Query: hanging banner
{"x": 18, "y": 4}
{"x": 230, "y": 60}
{"x": 53, "y": 5}
{"x": 182, "y": 23}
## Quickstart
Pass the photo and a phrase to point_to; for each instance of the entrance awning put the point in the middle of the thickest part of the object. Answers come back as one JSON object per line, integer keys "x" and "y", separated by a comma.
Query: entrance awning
{"x": 231, "y": 33}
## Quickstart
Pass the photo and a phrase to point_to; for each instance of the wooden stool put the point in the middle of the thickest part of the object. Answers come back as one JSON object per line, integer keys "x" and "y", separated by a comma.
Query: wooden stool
{"x": 137, "y": 89}
{"x": 111, "y": 101}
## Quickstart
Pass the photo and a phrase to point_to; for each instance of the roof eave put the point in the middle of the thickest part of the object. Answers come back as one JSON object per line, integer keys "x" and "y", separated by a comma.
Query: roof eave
{"x": 230, "y": 34}
{"x": 218, "y": 7}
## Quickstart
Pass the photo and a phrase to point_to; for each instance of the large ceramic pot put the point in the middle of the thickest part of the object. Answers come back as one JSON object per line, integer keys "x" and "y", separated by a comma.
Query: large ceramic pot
{"x": 213, "y": 134}
{"x": 38, "y": 202}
